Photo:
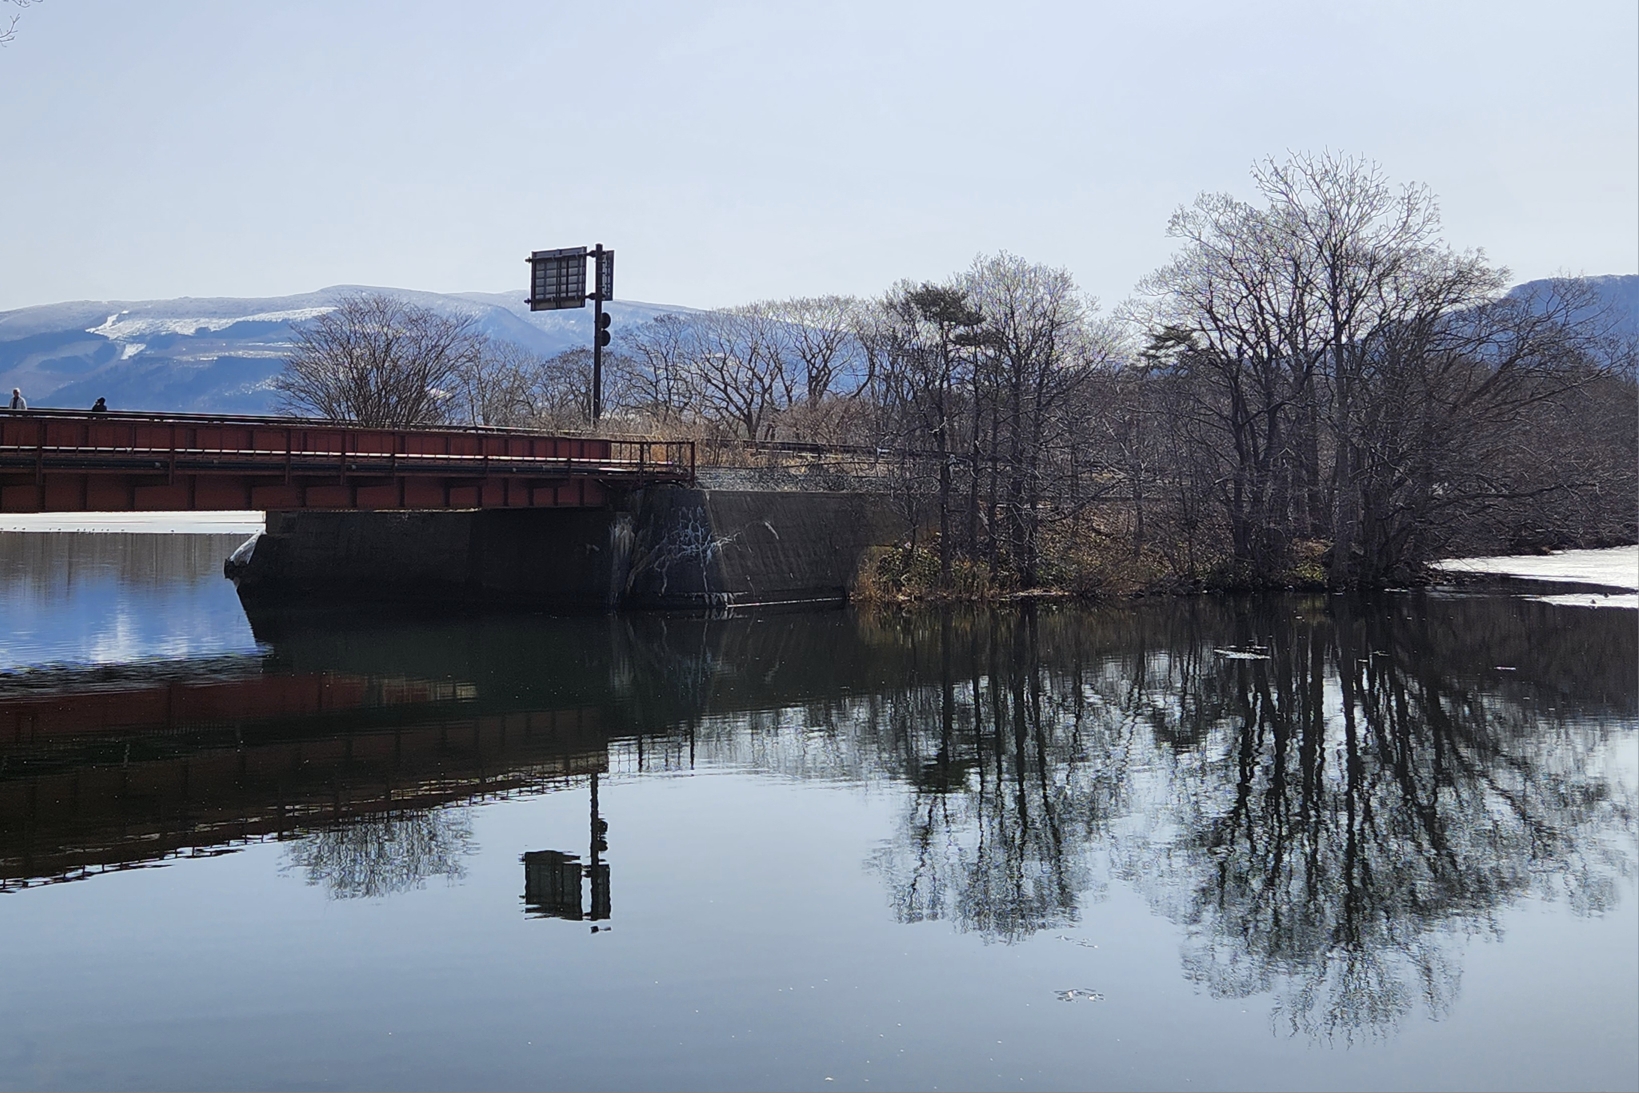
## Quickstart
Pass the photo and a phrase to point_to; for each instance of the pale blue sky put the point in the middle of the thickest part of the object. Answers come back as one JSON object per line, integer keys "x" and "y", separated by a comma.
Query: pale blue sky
{"x": 735, "y": 151}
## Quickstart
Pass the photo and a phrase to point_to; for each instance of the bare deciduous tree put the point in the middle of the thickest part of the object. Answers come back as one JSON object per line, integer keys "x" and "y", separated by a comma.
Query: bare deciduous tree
{"x": 1355, "y": 380}
{"x": 775, "y": 369}
{"x": 817, "y": 344}
{"x": 378, "y": 361}
{"x": 986, "y": 385}
{"x": 1041, "y": 351}
{"x": 737, "y": 374}
{"x": 496, "y": 385}
{"x": 8, "y": 24}
{"x": 504, "y": 384}
{"x": 560, "y": 393}
{"x": 653, "y": 372}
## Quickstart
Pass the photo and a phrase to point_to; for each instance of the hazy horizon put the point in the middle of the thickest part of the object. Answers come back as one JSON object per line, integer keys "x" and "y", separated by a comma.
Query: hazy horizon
{"x": 731, "y": 152}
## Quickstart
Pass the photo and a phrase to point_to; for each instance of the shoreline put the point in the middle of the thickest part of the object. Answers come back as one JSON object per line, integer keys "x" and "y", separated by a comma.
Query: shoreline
{"x": 1596, "y": 577}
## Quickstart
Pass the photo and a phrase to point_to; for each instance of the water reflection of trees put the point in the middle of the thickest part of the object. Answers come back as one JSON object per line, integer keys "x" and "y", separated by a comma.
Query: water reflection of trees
{"x": 384, "y": 854}
{"x": 1006, "y": 803}
{"x": 1326, "y": 813}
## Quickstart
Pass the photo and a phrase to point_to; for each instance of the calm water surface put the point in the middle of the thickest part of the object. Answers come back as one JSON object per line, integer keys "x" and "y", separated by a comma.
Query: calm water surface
{"x": 1260, "y": 843}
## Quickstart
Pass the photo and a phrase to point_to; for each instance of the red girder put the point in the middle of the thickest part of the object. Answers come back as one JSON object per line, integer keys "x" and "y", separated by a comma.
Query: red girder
{"x": 60, "y": 461}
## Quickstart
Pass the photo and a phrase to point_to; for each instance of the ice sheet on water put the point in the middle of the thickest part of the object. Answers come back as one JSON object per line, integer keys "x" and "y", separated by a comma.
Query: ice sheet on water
{"x": 1629, "y": 600}
{"x": 1253, "y": 653}
{"x": 1613, "y": 567}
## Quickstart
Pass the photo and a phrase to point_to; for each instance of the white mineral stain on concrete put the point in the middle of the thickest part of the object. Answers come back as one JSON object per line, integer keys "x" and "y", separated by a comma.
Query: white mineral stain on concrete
{"x": 154, "y": 523}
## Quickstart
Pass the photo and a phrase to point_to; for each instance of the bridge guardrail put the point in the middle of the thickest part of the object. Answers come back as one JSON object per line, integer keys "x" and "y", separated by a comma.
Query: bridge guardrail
{"x": 84, "y": 442}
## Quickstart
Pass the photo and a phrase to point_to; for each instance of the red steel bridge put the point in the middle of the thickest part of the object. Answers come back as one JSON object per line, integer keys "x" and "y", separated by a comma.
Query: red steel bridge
{"x": 74, "y": 461}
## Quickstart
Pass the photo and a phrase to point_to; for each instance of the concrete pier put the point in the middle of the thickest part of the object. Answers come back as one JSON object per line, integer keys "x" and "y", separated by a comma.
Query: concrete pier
{"x": 662, "y": 547}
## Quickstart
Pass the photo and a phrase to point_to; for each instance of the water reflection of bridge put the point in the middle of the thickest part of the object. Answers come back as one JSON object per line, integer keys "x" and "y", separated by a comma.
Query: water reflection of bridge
{"x": 118, "y": 778}
{"x": 355, "y": 716}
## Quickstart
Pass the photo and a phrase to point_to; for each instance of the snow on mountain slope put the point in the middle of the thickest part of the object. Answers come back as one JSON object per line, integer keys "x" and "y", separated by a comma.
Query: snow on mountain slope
{"x": 218, "y": 355}
{"x": 1617, "y": 297}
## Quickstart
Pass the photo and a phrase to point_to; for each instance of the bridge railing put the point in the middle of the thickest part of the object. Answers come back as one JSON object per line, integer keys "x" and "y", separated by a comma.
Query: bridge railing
{"x": 55, "y": 440}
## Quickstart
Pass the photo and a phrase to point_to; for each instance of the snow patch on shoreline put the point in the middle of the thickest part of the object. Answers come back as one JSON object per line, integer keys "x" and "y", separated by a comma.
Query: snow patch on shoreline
{"x": 1629, "y": 600}
{"x": 1613, "y": 567}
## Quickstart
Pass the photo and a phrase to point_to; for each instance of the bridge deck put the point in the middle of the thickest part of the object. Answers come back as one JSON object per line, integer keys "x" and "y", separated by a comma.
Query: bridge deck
{"x": 60, "y": 461}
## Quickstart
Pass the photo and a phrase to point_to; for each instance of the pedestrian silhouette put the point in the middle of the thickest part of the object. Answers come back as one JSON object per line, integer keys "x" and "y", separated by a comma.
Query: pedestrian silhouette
{"x": 101, "y": 407}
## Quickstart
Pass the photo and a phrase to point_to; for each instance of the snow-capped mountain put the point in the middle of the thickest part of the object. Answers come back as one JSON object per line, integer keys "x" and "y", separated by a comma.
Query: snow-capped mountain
{"x": 217, "y": 355}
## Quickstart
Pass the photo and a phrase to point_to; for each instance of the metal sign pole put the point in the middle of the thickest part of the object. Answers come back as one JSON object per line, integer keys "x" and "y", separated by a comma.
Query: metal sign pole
{"x": 597, "y": 335}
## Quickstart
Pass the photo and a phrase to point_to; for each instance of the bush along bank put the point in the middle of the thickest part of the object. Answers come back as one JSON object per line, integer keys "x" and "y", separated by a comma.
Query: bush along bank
{"x": 1081, "y": 568}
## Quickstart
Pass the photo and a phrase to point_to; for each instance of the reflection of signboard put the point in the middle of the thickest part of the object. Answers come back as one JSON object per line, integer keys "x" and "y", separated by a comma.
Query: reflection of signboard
{"x": 600, "y": 892}
{"x": 552, "y": 879}
{"x": 552, "y": 885}
{"x": 557, "y": 279}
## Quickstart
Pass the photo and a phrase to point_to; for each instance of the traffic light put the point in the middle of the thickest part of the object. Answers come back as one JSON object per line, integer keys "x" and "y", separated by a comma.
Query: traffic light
{"x": 603, "y": 328}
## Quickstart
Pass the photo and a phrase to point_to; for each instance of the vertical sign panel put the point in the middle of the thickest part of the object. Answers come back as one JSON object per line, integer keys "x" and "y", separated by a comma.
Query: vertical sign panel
{"x": 606, "y": 276}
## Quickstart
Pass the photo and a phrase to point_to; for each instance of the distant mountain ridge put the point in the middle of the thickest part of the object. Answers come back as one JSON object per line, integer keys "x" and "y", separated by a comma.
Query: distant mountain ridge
{"x": 219, "y": 354}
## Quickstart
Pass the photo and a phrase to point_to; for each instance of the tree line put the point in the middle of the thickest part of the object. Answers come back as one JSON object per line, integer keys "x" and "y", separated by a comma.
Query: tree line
{"x": 1316, "y": 389}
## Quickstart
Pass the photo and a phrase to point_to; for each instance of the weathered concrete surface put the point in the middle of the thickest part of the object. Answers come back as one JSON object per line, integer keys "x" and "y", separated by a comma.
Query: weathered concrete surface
{"x": 663, "y": 547}
{"x": 565, "y": 557}
{"x": 725, "y": 547}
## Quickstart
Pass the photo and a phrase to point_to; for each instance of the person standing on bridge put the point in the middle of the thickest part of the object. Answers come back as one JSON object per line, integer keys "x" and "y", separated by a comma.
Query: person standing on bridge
{"x": 101, "y": 406}
{"x": 18, "y": 402}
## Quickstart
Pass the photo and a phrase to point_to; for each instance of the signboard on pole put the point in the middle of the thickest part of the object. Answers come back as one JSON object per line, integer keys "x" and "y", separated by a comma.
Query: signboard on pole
{"x": 557, "y": 279}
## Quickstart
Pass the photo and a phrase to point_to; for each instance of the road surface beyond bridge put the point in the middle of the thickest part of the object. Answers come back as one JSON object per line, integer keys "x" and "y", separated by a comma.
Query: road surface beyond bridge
{"x": 71, "y": 461}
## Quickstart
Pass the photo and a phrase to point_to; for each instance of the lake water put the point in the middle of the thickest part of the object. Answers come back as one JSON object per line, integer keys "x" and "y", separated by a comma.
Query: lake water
{"x": 1282, "y": 842}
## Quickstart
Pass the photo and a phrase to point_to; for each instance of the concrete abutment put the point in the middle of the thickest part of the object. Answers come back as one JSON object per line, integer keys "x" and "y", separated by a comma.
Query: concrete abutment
{"x": 662, "y": 547}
